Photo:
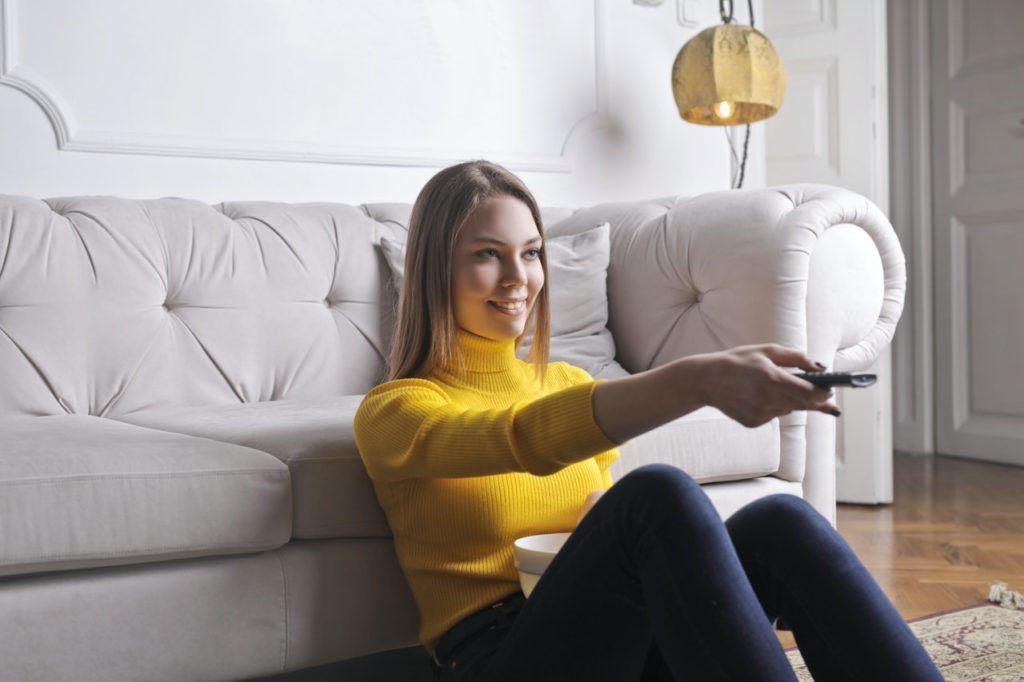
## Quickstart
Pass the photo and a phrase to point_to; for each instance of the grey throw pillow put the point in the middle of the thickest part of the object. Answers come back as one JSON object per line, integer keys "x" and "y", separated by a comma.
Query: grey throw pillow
{"x": 577, "y": 281}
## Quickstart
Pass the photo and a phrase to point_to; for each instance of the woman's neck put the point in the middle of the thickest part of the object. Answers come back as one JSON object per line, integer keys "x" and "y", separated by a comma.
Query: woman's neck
{"x": 483, "y": 355}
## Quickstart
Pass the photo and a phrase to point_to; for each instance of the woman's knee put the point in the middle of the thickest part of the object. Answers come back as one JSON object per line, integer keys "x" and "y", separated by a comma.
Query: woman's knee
{"x": 658, "y": 476}
{"x": 663, "y": 485}
{"x": 782, "y": 516}
{"x": 785, "y": 509}
{"x": 786, "y": 532}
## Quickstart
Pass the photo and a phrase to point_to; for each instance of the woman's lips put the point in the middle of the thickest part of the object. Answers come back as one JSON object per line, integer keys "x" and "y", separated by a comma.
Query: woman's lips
{"x": 519, "y": 308}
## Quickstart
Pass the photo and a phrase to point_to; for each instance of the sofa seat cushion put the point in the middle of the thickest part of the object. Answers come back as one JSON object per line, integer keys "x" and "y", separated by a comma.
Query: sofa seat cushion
{"x": 81, "y": 491}
{"x": 707, "y": 445}
{"x": 333, "y": 495}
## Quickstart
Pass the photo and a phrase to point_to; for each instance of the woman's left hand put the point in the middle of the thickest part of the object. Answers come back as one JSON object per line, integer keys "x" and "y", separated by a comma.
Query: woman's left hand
{"x": 588, "y": 503}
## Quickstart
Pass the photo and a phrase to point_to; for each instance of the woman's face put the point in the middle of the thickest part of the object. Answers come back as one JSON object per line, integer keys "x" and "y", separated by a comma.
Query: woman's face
{"x": 497, "y": 259}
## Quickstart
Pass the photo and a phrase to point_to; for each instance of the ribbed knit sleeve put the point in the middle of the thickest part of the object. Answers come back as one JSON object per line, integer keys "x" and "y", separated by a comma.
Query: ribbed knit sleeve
{"x": 410, "y": 428}
{"x": 578, "y": 375}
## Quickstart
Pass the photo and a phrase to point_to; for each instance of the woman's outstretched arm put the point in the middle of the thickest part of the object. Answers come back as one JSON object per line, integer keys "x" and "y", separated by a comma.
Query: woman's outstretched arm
{"x": 411, "y": 428}
{"x": 747, "y": 383}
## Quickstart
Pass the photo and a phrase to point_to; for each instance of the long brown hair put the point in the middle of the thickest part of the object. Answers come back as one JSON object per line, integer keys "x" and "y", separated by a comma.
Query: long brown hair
{"x": 425, "y": 331}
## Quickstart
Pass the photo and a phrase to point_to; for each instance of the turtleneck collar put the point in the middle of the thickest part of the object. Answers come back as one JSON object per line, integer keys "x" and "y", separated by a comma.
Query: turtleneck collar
{"x": 485, "y": 356}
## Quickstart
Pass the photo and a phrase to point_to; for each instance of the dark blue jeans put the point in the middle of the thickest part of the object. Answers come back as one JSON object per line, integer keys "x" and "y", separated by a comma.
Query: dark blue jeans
{"x": 652, "y": 586}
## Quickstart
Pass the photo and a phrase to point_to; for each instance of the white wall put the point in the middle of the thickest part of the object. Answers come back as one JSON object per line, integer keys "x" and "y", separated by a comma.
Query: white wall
{"x": 349, "y": 101}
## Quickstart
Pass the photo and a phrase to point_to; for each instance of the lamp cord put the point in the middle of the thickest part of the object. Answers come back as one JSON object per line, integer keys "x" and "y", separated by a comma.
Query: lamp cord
{"x": 743, "y": 163}
{"x": 727, "y": 19}
{"x": 736, "y": 181}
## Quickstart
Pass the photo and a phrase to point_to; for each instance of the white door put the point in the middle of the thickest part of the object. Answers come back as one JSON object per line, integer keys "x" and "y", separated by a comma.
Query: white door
{"x": 832, "y": 129}
{"x": 978, "y": 211}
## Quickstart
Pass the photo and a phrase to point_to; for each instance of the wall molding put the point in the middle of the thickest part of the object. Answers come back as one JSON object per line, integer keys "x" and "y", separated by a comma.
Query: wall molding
{"x": 959, "y": 64}
{"x": 959, "y": 324}
{"x": 957, "y": 149}
{"x": 824, "y": 71}
{"x": 823, "y": 21}
{"x": 967, "y": 418}
{"x": 71, "y": 137}
{"x": 955, "y": 37}
{"x": 27, "y": 82}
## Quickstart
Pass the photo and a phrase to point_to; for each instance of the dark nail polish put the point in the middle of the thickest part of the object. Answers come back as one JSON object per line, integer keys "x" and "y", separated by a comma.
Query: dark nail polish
{"x": 835, "y": 413}
{"x": 820, "y": 366}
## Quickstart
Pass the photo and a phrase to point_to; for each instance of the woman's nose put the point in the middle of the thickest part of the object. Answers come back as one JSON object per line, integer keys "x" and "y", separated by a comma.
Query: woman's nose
{"x": 514, "y": 273}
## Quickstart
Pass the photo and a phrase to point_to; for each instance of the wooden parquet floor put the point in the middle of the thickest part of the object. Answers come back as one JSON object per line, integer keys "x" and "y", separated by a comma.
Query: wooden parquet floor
{"x": 955, "y": 526}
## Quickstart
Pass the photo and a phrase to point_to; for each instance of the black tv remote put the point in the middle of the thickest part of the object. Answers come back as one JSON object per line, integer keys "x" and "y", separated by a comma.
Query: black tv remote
{"x": 829, "y": 379}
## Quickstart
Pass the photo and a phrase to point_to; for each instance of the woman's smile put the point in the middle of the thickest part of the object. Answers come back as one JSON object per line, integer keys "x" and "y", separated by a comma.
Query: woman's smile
{"x": 513, "y": 308}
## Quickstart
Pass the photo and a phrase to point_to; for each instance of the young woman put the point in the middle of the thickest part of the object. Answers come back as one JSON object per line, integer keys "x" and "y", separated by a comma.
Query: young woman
{"x": 470, "y": 448}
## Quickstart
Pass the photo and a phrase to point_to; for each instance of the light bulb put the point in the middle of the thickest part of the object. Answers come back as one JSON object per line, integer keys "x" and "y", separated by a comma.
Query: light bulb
{"x": 723, "y": 109}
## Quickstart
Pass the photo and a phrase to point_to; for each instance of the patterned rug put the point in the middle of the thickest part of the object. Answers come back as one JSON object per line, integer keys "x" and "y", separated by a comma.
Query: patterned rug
{"x": 982, "y": 643}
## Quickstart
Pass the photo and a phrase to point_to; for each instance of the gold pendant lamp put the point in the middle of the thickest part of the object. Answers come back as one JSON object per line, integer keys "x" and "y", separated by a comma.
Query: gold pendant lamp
{"x": 728, "y": 75}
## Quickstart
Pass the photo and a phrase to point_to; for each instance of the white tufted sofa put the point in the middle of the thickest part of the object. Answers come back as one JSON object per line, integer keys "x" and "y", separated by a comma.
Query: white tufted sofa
{"x": 180, "y": 493}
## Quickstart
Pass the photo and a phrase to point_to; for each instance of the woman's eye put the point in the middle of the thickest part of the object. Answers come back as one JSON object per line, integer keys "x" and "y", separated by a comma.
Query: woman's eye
{"x": 493, "y": 253}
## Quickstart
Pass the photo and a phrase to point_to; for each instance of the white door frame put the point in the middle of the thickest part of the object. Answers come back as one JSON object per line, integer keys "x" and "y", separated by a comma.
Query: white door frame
{"x": 911, "y": 215}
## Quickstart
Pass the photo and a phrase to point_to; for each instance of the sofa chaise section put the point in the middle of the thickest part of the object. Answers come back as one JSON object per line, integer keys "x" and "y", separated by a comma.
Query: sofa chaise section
{"x": 78, "y": 491}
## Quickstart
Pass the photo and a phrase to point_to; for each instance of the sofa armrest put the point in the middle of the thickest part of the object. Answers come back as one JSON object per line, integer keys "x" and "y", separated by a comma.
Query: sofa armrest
{"x": 812, "y": 267}
{"x": 697, "y": 275}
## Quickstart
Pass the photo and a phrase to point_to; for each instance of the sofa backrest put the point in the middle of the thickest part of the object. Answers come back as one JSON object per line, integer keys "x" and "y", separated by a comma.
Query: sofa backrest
{"x": 112, "y": 305}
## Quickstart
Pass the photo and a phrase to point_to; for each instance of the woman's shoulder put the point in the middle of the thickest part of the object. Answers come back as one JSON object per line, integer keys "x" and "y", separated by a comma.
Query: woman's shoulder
{"x": 399, "y": 396}
{"x": 405, "y": 385}
{"x": 568, "y": 374}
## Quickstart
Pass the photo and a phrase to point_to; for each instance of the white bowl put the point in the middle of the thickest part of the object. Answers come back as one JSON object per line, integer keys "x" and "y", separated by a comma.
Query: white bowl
{"x": 532, "y": 554}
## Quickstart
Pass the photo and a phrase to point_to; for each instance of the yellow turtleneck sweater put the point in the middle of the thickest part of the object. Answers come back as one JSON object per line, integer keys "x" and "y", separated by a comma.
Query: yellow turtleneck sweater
{"x": 463, "y": 464}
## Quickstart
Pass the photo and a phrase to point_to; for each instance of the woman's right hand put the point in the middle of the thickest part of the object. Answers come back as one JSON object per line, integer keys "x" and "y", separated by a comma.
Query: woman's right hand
{"x": 749, "y": 384}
